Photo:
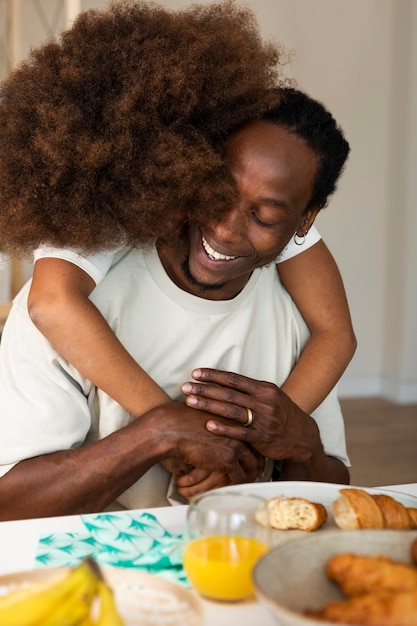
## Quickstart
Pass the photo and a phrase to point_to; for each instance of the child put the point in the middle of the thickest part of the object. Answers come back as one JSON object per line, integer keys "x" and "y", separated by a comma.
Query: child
{"x": 59, "y": 306}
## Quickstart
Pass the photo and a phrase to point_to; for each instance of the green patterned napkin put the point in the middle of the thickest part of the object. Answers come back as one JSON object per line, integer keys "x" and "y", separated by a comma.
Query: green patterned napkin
{"x": 119, "y": 539}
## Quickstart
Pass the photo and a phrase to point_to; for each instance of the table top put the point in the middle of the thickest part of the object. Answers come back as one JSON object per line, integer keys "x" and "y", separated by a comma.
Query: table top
{"x": 19, "y": 541}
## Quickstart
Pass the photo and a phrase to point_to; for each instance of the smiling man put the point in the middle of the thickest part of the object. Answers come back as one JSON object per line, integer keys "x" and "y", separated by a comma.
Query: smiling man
{"x": 209, "y": 298}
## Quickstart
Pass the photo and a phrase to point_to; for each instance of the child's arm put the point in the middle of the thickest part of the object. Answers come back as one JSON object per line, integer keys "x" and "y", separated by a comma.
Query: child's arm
{"x": 313, "y": 280}
{"x": 59, "y": 307}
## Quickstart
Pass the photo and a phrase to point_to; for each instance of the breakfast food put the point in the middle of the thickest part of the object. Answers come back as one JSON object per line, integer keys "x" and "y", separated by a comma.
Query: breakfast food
{"x": 357, "y": 575}
{"x": 373, "y": 609}
{"x": 70, "y": 598}
{"x": 355, "y": 509}
{"x": 296, "y": 514}
{"x": 379, "y": 591}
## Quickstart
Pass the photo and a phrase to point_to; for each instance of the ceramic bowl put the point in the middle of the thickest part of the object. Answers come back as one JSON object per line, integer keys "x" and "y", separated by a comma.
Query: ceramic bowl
{"x": 291, "y": 577}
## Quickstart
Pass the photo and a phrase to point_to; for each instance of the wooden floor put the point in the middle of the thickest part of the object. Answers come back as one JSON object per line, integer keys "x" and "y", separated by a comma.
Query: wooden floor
{"x": 382, "y": 441}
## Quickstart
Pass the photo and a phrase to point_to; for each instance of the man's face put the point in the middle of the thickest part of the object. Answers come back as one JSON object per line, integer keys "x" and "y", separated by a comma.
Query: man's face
{"x": 274, "y": 172}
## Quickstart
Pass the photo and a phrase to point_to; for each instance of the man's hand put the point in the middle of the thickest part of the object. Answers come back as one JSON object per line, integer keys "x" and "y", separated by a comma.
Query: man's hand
{"x": 279, "y": 429}
{"x": 203, "y": 461}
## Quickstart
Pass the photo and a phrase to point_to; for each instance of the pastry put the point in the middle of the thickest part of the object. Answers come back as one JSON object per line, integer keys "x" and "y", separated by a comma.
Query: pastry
{"x": 355, "y": 509}
{"x": 373, "y": 609}
{"x": 296, "y": 513}
{"x": 357, "y": 575}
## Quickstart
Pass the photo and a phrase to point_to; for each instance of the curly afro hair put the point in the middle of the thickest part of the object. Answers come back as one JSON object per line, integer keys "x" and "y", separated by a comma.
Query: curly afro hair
{"x": 109, "y": 135}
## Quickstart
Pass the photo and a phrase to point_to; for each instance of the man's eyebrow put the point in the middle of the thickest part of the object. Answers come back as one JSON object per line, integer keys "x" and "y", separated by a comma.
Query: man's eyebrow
{"x": 279, "y": 204}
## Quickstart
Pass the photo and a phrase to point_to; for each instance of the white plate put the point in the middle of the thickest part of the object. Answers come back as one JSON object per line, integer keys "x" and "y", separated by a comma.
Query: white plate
{"x": 325, "y": 493}
{"x": 142, "y": 599}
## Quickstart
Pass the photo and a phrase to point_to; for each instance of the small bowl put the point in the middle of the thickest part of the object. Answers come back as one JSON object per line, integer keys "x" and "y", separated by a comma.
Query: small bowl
{"x": 291, "y": 577}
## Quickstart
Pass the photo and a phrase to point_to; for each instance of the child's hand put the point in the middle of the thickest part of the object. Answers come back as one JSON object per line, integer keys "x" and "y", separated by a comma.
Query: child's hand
{"x": 199, "y": 480}
{"x": 191, "y": 481}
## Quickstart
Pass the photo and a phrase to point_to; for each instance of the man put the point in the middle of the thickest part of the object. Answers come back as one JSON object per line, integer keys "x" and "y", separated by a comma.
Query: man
{"x": 211, "y": 298}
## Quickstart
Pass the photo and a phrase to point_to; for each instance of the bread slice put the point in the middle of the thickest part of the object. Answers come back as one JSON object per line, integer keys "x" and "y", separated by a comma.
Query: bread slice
{"x": 296, "y": 514}
{"x": 355, "y": 509}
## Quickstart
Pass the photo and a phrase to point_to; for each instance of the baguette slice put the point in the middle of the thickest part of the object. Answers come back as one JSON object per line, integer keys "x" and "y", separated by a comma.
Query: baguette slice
{"x": 296, "y": 514}
{"x": 356, "y": 509}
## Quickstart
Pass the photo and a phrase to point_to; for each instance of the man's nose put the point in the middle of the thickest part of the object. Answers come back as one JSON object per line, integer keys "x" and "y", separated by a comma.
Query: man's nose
{"x": 232, "y": 225}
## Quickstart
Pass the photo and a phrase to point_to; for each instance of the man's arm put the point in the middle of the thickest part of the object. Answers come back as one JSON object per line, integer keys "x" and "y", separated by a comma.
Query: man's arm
{"x": 88, "y": 479}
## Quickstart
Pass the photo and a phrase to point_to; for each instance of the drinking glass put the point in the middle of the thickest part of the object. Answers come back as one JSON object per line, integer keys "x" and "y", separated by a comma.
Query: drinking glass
{"x": 225, "y": 534}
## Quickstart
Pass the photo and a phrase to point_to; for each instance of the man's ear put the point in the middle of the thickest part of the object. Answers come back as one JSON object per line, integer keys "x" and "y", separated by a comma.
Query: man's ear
{"x": 307, "y": 221}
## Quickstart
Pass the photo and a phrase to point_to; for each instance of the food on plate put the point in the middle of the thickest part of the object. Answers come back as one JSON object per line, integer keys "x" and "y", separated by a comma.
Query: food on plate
{"x": 379, "y": 591}
{"x": 357, "y": 574}
{"x": 296, "y": 514}
{"x": 71, "y": 598}
{"x": 355, "y": 509}
{"x": 372, "y": 609}
{"x": 395, "y": 514}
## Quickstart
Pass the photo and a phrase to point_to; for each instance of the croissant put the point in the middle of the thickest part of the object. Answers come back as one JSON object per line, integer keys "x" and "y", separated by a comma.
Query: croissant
{"x": 362, "y": 574}
{"x": 355, "y": 509}
{"x": 372, "y": 609}
{"x": 296, "y": 513}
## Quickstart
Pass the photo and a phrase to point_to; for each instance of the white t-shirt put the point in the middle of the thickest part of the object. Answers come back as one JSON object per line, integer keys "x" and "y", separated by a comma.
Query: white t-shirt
{"x": 46, "y": 405}
{"x": 97, "y": 265}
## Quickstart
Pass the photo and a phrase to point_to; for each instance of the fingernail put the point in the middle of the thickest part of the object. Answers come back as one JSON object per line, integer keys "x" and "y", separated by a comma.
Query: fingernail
{"x": 186, "y": 388}
{"x": 191, "y": 401}
{"x": 196, "y": 373}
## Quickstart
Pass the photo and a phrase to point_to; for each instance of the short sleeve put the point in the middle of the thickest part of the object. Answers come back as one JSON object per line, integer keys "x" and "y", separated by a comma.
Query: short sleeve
{"x": 95, "y": 265}
{"x": 292, "y": 249}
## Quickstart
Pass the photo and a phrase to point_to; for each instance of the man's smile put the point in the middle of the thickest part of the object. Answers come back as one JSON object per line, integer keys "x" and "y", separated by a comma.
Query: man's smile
{"x": 213, "y": 254}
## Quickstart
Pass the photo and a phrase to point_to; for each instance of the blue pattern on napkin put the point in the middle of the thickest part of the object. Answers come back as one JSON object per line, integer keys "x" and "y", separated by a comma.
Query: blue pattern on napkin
{"x": 118, "y": 539}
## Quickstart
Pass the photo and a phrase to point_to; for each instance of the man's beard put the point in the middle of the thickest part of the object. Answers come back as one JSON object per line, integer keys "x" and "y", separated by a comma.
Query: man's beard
{"x": 185, "y": 266}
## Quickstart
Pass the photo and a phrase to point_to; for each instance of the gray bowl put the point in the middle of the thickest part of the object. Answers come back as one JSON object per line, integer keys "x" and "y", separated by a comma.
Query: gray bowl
{"x": 291, "y": 577}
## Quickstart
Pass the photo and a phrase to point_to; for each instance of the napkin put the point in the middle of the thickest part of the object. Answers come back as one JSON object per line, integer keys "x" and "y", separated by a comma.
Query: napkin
{"x": 118, "y": 539}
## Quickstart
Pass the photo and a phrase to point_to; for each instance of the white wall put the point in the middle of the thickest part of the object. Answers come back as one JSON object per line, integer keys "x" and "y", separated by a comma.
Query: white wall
{"x": 359, "y": 57}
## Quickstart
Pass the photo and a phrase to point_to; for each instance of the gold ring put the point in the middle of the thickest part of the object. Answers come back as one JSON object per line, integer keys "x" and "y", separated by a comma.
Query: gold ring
{"x": 250, "y": 417}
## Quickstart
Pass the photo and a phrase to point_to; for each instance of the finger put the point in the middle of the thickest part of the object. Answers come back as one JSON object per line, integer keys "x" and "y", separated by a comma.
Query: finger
{"x": 214, "y": 481}
{"x": 237, "y": 411}
{"x": 193, "y": 477}
{"x": 226, "y": 379}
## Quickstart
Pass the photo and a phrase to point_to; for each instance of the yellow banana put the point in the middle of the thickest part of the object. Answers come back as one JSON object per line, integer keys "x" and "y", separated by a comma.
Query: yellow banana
{"x": 76, "y": 606}
{"x": 108, "y": 614}
{"x": 32, "y": 605}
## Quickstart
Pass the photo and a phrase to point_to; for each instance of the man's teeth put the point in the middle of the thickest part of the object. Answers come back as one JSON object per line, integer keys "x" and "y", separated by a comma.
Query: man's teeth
{"x": 213, "y": 254}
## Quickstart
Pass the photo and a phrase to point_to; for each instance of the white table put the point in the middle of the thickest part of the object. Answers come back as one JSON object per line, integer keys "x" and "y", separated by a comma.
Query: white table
{"x": 19, "y": 540}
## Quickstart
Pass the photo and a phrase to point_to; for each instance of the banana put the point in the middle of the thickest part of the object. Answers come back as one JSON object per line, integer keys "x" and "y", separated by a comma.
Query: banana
{"x": 76, "y": 606}
{"x": 108, "y": 615}
{"x": 33, "y": 605}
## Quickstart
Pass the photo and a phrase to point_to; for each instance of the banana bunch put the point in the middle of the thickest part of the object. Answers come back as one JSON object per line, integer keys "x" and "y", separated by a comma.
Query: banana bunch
{"x": 70, "y": 600}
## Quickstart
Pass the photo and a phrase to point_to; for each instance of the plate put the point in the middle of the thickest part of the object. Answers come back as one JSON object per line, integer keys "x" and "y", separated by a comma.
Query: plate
{"x": 291, "y": 577}
{"x": 142, "y": 599}
{"x": 325, "y": 493}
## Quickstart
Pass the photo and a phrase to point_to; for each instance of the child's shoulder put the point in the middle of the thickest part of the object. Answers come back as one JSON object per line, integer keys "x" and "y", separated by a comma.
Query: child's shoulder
{"x": 95, "y": 265}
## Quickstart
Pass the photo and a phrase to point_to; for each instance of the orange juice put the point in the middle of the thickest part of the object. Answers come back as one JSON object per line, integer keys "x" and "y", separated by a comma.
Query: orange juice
{"x": 220, "y": 567}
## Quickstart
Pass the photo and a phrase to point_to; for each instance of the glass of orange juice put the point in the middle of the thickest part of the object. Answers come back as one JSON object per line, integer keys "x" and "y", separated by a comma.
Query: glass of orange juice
{"x": 226, "y": 533}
